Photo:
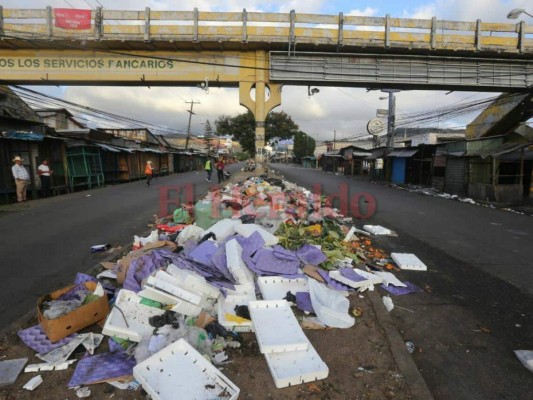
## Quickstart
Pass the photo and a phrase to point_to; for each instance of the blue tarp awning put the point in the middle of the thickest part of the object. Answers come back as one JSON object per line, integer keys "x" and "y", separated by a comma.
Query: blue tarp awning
{"x": 20, "y": 135}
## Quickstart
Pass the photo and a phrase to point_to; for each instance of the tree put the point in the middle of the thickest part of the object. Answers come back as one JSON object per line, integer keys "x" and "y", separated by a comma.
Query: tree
{"x": 304, "y": 145}
{"x": 242, "y": 128}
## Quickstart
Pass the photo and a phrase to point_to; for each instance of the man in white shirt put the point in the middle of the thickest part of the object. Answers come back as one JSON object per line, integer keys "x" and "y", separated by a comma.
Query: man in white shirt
{"x": 22, "y": 178}
{"x": 45, "y": 172}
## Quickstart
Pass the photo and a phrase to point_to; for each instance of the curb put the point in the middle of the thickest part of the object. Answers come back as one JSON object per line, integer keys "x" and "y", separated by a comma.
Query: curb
{"x": 403, "y": 359}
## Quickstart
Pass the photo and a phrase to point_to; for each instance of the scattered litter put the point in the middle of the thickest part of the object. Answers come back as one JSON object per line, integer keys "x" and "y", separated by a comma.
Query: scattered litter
{"x": 101, "y": 368}
{"x": 99, "y": 248}
{"x": 132, "y": 385}
{"x": 399, "y": 290}
{"x": 410, "y": 346}
{"x": 276, "y": 287}
{"x": 526, "y": 358}
{"x": 408, "y": 261}
{"x": 33, "y": 383}
{"x": 377, "y": 230}
{"x": 83, "y": 392}
{"x": 362, "y": 369}
{"x": 330, "y": 306}
{"x": 181, "y": 366}
{"x": 355, "y": 277}
{"x": 108, "y": 273}
{"x": 387, "y": 301}
{"x": 35, "y": 338}
{"x": 10, "y": 370}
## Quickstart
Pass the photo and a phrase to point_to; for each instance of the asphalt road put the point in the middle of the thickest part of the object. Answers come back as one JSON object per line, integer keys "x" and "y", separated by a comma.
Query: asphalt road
{"x": 44, "y": 243}
{"x": 477, "y": 306}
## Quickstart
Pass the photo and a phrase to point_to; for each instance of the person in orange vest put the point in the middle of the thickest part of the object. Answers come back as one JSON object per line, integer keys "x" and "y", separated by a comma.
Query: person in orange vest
{"x": 148, "y": 171}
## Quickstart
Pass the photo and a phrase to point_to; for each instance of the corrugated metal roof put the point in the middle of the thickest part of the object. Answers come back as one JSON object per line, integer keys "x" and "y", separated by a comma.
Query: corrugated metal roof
{"x": 403, "y": 153}
{"x": 108, "y": 148}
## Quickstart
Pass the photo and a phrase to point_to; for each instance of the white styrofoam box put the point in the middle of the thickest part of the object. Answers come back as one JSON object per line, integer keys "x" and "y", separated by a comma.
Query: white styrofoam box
{"x": 247, "y": 230}
{"x": 296, "y": 367}
{"x": 227, "y": 306}
{"x": 390, "y": 279}
{"x": 192, "y": 281}
{"x": 180, "y": 371}
{"x": 224, "y": 228}
{"x": 129, "y": 308}
{"x": 236, "y": 265}
{"x": 370, "y": 279}
{"x": 247, "y": 289}
{"x": 168, "y": 283}
{"x": 276, "y": 287}
{"x": 408, "y": 261}
{"x": 178, "y": 305}
{"x": 377, "y": 230}
{"x": 276, "y": 327}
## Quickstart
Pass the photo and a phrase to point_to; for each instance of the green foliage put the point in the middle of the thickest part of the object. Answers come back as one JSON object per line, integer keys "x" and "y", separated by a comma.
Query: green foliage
{"x": 304, "y": 145}
{"x": 242, "y": 128}
{"x": 242, "y": 156}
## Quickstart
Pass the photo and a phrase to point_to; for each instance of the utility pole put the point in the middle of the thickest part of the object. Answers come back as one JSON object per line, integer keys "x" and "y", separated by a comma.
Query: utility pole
{"x": 192, "y": 103}
{"x": 334, "y": 139}
{"x": 391, "y": 121}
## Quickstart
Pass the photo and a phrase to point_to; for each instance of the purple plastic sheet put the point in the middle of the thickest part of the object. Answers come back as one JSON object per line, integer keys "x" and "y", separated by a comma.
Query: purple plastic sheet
{"x": 303, "y": 302}
{"x": 204, "y": 252}
{"x": 350, "y": 274}
{"x": 102, "y": 367}
{"x": 35, "y": 338}
{"x": 274, "y": 262}
{"x": 82, "y": 278}
{"x": 250, "y": 246}
{"x": 220, "y": 261}
{"x": 141, "y": 267}
{"x": 309, "y": 254}
{"x": 73, "y": 294}
{"x": 332, "y": 283}
{"x": 399, "y": 290}
{"x": 114, "y": 346}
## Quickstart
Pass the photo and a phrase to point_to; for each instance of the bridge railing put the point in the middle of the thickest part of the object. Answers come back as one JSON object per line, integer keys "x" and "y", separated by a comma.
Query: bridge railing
{"x": 289, "y": 29}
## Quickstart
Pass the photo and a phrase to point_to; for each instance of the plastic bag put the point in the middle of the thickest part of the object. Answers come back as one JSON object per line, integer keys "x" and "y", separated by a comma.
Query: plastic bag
{"x": 330, "y": 306}
{"x": 192, "y": 232}
{"x": 181, "y": 216}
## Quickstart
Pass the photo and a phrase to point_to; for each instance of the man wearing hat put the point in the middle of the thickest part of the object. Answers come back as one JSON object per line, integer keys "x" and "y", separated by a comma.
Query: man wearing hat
{"x": 22, "y": 178}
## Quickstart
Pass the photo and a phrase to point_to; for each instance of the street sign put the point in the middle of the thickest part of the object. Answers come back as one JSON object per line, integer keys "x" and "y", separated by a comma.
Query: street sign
{"x": 381, "y": 113}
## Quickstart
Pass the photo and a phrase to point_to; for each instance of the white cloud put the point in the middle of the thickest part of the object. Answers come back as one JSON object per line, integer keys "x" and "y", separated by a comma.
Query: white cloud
{"x": 366, "y": 12}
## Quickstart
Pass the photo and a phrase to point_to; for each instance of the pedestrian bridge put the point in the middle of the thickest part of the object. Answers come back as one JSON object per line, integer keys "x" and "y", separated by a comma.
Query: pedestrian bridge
{"x": 261, "y": 51}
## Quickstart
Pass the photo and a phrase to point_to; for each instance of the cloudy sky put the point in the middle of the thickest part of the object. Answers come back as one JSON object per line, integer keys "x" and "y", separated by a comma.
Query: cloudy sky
{"x": 346, "y": 110}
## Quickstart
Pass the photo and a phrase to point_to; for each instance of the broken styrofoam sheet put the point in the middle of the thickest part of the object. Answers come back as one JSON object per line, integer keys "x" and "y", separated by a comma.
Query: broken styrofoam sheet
{"x": 169, "y": 284}
{"x": 129, "y": 319}
{"x": 330, "y": 306}
{"x": 35, "y": 338}
{"x": 192, "y": 281}
{"x": 526, "y": 358}
{"x": 247, "y": 230}
{"x": 377, "y": 230}
{"x": 276, "y": 327}
{"x": 235, "y": 263}
{"x": 226, "y": 308}
{"x": 108, "y": 273}
{"x": 367, "y": 278}
{"x": 390, "y": 279}
{"x": 181, "y": 371}
{"x": 178, "y": 305}
{"x": 33, "y": 383}
{"x": 276, "y": 287}
{"x": 102, "y": 368}
{"x": 49, "y": 367}
{"x": 408, "y": 261}
{"x": 10, "y": 370}
{"x": 296, "y": 367}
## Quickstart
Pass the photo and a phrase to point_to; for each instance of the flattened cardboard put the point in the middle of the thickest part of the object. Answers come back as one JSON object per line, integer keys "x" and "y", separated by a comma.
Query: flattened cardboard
{"x": 58, "y": 328}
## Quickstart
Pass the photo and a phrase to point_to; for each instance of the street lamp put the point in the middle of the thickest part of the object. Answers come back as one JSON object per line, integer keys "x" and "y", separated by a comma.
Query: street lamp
{"x": 391, "y": 117}
{"x": 515, "y": 13}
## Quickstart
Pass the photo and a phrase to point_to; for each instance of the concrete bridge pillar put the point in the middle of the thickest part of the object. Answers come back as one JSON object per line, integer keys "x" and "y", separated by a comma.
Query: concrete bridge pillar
{"x": 267, "y": 96}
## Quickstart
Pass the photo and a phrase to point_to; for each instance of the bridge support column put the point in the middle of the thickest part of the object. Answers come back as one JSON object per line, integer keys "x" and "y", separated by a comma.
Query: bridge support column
{"x": 267, "y": 96}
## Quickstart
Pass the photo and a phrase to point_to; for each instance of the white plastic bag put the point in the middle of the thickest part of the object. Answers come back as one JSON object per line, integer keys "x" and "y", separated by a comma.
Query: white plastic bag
{"x": 224, "y": 228}
{"x": 192, "y": 232}
{"x": 247, "y": 230}
{"x": 330, "y": 306}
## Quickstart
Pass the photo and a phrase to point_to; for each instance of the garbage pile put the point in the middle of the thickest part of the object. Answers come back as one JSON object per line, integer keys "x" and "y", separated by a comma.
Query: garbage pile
{"x": 242, "y": 259}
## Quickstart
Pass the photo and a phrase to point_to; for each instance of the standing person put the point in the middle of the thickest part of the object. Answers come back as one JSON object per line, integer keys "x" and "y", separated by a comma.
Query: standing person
{"x": 208, "y": 168}
{"x": 22, "y": 178}
{"x": 45, "y": 173}
{"x": 148, "y": 171}
{"x": 220, "y": 169}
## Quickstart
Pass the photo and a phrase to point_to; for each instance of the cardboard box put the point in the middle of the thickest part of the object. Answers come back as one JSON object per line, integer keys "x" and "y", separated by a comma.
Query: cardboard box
{"x": 77, "y": 319}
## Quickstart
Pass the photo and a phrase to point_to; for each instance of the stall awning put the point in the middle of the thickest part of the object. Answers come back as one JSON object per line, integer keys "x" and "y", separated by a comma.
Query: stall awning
{"x": 403, "y": 153}
{"x": 21, "y": 135}
{"x": 108, "y": 148}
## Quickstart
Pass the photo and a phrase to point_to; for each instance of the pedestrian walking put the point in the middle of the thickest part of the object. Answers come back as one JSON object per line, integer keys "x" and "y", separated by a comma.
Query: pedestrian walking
{"x": 220, "y": 169}
{"x": 148, "y": 171}
{"x": 45, "y": 174}
{"x": 209, "y": 169}
{"x": 22, "y": 178}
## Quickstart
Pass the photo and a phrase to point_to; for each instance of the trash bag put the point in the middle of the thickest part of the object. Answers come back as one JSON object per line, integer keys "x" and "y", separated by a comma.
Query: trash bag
{"x": 330, "y": 306}
{"x": 192, "y": 232}
{"x": 181, "y": 216}
{"x": 247, "y": 219}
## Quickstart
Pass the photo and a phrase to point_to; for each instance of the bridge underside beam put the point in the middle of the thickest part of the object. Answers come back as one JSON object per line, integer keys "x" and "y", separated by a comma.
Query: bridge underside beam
{"x": 402, "y": 72}
{"x": 502, "y": 116}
